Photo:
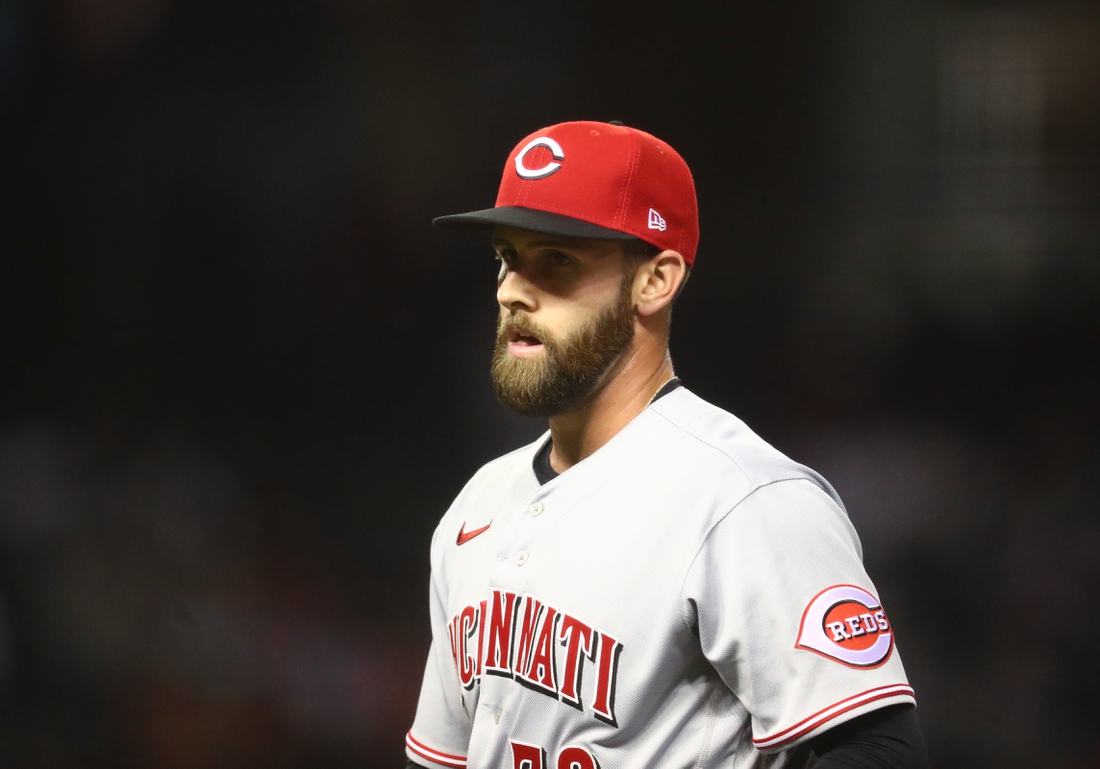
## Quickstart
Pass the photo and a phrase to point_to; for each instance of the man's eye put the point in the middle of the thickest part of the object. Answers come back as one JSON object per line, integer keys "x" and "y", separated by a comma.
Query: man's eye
{"x": 559, "y": 259}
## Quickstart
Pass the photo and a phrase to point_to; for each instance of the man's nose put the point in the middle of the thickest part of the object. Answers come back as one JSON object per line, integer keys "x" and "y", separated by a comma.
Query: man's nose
{"x": 515, "y": 292}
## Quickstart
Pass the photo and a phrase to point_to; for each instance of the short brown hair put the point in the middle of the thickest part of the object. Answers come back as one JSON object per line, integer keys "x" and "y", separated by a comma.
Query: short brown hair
{"x": 638, "y": 251}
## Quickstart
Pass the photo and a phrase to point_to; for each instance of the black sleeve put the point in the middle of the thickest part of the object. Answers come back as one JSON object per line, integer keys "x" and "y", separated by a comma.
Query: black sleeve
{"x": 889, "y": 738}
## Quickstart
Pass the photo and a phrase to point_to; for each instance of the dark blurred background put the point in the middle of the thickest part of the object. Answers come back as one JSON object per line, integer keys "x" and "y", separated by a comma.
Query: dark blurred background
{"x": 241, "y": 377}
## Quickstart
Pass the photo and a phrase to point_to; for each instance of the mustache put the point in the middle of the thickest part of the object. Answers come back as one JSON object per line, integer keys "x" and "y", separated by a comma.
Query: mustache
{"x": 524, "y": 325}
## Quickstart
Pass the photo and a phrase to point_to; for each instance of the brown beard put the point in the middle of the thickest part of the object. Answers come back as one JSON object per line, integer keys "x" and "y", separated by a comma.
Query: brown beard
{"x": 569, "y": 369}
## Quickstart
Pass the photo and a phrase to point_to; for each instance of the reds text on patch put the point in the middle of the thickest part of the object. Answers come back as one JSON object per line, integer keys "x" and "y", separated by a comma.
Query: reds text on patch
{"x": 847, "y": 624}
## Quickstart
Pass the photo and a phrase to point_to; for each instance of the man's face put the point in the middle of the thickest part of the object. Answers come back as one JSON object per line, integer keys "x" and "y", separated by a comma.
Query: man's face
{"x": 566, "y": 314}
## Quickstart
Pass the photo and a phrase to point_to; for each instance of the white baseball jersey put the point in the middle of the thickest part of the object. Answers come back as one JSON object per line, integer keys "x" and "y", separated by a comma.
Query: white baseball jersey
{"x": 687, "y": 596}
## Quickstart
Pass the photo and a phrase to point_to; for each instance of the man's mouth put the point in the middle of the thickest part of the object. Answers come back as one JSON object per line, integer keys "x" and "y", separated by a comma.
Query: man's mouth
{"x": 522, "y": 343}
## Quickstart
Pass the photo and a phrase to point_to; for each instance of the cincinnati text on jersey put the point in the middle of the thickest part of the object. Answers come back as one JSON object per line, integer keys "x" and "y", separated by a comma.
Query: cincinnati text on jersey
{"x": 537, "y": 645}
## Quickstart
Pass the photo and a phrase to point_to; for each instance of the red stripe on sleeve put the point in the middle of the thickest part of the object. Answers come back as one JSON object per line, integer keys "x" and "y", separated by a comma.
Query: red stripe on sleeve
{"x": 435, "y": 756}
{"x": 823, "y": 716}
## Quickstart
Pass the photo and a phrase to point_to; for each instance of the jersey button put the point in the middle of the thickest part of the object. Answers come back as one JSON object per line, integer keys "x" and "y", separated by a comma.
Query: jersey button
{"x": 536, "y": 510}
{"x": 521, "y": 557}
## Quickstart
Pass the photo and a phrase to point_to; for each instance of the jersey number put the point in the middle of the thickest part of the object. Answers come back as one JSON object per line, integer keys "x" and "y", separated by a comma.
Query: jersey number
{"x": 526, "y": 756}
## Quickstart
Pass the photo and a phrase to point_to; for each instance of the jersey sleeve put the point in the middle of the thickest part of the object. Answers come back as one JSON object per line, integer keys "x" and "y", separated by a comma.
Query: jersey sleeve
{"x": 786, "y": 614}
{"x": 440, "y": 733}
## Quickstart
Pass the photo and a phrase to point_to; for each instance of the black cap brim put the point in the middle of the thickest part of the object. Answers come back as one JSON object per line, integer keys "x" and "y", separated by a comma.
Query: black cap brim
{"x": 529, "y": 219}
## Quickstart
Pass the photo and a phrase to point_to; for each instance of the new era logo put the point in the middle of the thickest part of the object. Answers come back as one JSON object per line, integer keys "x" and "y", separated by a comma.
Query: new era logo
{"x": 656, "y": 221}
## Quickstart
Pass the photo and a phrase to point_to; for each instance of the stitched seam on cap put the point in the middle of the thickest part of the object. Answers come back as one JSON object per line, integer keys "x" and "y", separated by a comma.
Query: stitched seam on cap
{"x": 525, "y": 186}
{"x": 683, "y": 228}
{"x": 624, "y": 194}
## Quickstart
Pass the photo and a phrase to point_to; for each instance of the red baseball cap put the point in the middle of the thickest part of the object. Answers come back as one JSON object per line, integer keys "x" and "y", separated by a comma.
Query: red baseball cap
{"x": 594, "y": 180}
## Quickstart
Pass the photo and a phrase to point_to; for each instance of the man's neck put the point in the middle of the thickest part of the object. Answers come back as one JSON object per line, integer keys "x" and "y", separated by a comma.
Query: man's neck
{"x": 629, "y": 387}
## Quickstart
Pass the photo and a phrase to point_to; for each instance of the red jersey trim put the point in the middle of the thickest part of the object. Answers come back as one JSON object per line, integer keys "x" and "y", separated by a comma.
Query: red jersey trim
{"x": 823, "y": 716}
{"x": 422, "y": 750}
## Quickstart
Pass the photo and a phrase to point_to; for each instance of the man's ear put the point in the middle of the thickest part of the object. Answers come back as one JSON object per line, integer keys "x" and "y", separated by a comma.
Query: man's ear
{"x": 658, "y": 281}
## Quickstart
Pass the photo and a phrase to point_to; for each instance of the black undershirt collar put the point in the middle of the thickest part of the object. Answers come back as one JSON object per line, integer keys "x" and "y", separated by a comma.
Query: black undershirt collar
{"x": 541, "y": 464}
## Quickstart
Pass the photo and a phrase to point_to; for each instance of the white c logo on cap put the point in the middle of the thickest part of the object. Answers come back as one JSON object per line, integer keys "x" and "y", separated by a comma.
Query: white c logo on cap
{"x": 546, "y": 170}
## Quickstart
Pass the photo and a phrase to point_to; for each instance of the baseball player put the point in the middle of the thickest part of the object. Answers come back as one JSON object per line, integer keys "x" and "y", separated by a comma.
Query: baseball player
{"x": 649, "y": 583}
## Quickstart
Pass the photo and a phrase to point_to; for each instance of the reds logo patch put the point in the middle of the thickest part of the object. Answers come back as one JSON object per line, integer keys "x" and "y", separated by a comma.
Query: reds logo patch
{"x": 847, "y": 624}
